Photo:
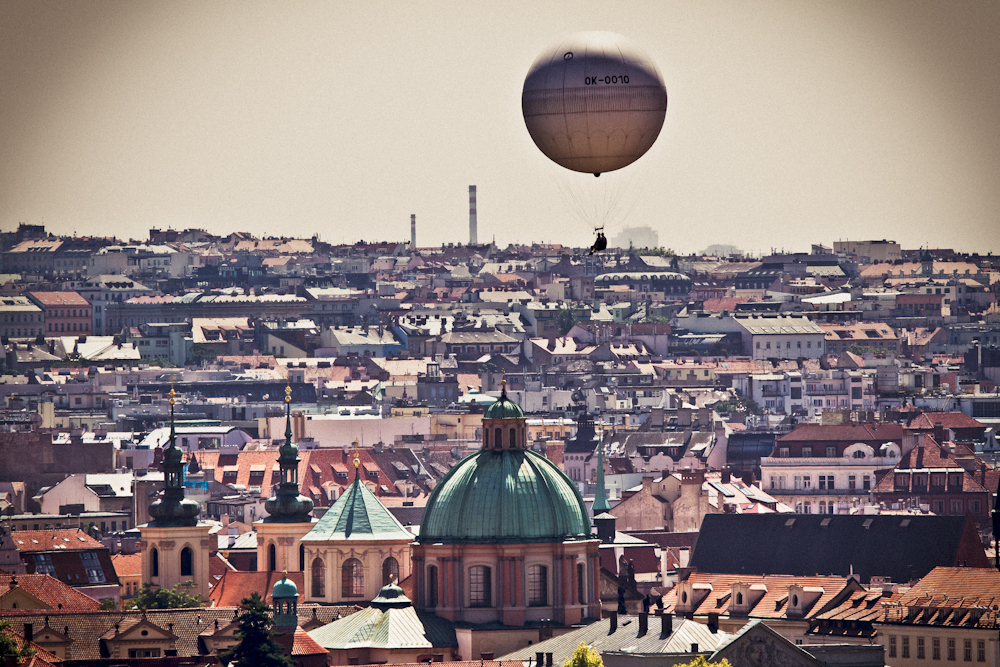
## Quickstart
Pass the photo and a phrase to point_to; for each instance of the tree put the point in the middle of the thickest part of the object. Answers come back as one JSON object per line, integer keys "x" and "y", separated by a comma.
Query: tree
{"x": 108, "y": 604}
{"x": 255, "y": 647}
{"x": 738, "y": 404}
{"x": 566, "y": 320}
{"x": 584, "y": 656}
{"x": 9, "y": 645}
{"x": 700, "y": 661}
{"x": 164, "y": 598}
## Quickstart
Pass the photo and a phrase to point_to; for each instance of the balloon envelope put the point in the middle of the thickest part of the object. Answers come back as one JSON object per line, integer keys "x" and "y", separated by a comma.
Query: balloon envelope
{"x": 594, "y": 102}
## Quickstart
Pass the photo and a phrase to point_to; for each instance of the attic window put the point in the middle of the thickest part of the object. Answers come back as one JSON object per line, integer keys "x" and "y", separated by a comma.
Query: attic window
{"x": 825, "y": 522}
{"x": 789, "y": 523}
{"x": 868, "y": 523}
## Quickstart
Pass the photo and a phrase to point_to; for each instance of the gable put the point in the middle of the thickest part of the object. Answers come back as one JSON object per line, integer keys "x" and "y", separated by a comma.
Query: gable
{"x": 19, "y": 598}
{"x": 758, "y": 645}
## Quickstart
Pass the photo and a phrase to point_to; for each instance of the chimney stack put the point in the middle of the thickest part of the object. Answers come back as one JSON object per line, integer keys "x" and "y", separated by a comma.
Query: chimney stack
{"x": 473, "y": 232}
{"x": 643, "y": 622}
{"x": 413, "y": 231}
{"x": 613, "y": 615}
{"x": 666, "y": 624}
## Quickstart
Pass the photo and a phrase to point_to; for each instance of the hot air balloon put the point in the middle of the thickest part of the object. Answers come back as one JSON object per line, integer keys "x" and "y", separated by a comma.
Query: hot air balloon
{"x": 594, "y": 102}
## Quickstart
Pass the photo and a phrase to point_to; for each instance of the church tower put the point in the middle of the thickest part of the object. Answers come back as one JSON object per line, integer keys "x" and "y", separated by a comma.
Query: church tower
{"x": 279, "y": 535}
{"x": 175, "y": 545}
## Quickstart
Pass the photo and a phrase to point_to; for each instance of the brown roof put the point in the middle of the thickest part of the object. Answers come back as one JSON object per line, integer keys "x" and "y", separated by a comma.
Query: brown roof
{"x": 49, "y": 590}
{"x": 773, "y": 603}
{"x": 953, "y": 591}
{"x": 234, "y": 585}
{"x": 845, "y": 433}
{"x": 127, "y": 565}
{"x": 59, "y": 539}
{"x": 41, "y": 656}
{"x": 930, "y": 456}
{"x": 947, "y": 420}
{"x": 59, "y": 299}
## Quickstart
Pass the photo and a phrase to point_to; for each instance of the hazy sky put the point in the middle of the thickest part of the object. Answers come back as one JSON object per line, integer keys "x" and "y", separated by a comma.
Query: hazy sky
{"x": 788, "y": 123}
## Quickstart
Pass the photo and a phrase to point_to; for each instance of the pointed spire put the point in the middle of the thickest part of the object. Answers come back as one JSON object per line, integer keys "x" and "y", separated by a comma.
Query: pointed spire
{"x": 600, "y": 495}
{"x": 173, "y": 509}
{"x": 287, "y": 505}
{"x": 357, "y": 462}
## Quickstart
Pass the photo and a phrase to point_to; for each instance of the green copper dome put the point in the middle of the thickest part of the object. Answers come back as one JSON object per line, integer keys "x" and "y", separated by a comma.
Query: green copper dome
{"x": 284, "y": 588}
{"x": 510, "y": 496}
{"x": 504, "y": 408}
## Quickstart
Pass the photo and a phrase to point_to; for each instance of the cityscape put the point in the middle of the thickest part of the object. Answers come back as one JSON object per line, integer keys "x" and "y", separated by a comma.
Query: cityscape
{"x": 549, "y": 334}
{"x": 473, "y": 453}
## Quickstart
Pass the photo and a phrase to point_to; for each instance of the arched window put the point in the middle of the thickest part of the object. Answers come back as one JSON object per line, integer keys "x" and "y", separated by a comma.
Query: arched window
{"x": 302, "y": 557}
{"x": 497, "y": 438}
{"x": 480, "y": 586}
{"x": 155, "y": 559}
{"x": 513, "y": 437}
{"x": 538, "y": 586}
{"x": 581, "y": 597}
{"x": 272, "y": 558}
{"x": 739, "y": 599}
{"x": 352, "y": 578}
{"x": 187, "y": 564}
{"x": 390, "y": 571}
{"x": 318, "y": 579}
{"x": 432, "y": 586}
{"x": 859, "y": 454}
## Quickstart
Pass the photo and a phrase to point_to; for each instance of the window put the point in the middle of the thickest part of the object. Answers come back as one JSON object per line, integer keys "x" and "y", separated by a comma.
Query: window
{"x": 797, "y": 481}
{"x": 858, "y": 454}
{"x": 497, "y": 438}
{"x": 981, "y": 650}
{"x": 852, "y": 483}
{"x": 951, "y": 649}
{"x": 906, "y": 647}
{"x": 95, "y": 573}
{"x": 302, "y": 557}
{"x": 352, "y": 577}
{"x": 831, "y": 451}
{"x": 538, "y": 587}
{"x": 826, "y": 482}
{"x": 318, "y": 579}
{"x": 155, "y": 566}
{"x": 783, "y": 452}
{"x": 956, "y": 507}
{"x": 43, "y": 565}
{"x": 513, "y": 438}
{"x": 579, "y": 584}
{"x": 187, "y": 566}
{"x": 967, "y": 650}
{"x": 272, "y": 558}
{"x": 144, "y": 653}
{"x": 892, "y": 646}
{"x": 935, "y": 649}
{"x": 390, "y": 571}
{"x": 480, "y": 586}
{"x": 807, "y": 482}
{"x": 807, "y": 452}
{"x": 866, "y": 482}
{"x": 920, "y": 648}
{"x": 432, "y": 586}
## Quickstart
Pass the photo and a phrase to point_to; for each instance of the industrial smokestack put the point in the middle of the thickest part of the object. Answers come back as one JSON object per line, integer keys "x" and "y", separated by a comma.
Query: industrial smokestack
{"x": 473, "y": 233}
{"x": 413, "y": 231}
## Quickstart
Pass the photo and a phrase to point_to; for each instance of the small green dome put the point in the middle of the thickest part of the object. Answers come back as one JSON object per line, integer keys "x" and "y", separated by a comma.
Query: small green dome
{"x": 504, "y": 408}
{"x": 510, "y": 496}
{"x": 391, "y": 596}
{"x": 284, "y": 588}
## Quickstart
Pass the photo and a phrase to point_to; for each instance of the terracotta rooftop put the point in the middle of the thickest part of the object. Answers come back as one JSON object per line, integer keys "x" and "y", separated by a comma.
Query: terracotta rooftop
{"x": 127, "y": 565}
{"x": 52, "y": 540}
{"x": 49, "y": 590}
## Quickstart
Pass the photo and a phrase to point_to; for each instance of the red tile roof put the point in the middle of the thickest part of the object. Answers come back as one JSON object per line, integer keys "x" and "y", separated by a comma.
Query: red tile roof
{"x": 41, "y": 656}
{"x": 772, "y": 604}
{"x": 946, "y": 419}
{"x": 235, "y": 585}
{"x": 49, "y": 590}
{"x": 127, "y": 565}
{"x": 69, "y": 539}
{"x": 59, "y": 299}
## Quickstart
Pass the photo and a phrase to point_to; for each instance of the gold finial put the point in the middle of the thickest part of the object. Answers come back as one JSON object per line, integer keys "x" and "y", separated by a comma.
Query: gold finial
{"x": 172, "y": 393}
{"x": 503, "y": 382}
{"x": 288, "y": 393}
{"x": 357, "y": 457}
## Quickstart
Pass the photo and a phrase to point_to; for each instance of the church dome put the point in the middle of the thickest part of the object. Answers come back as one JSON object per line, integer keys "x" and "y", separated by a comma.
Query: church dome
{"x": 284, "y": 588}
{"x": 509, "y": 496}
{"x": 504, "y": 408}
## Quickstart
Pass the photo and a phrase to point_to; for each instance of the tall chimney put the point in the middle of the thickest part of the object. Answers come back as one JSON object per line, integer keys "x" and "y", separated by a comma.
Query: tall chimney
{"x": 413, "y": 231}
{"x": 473, "y": 233}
